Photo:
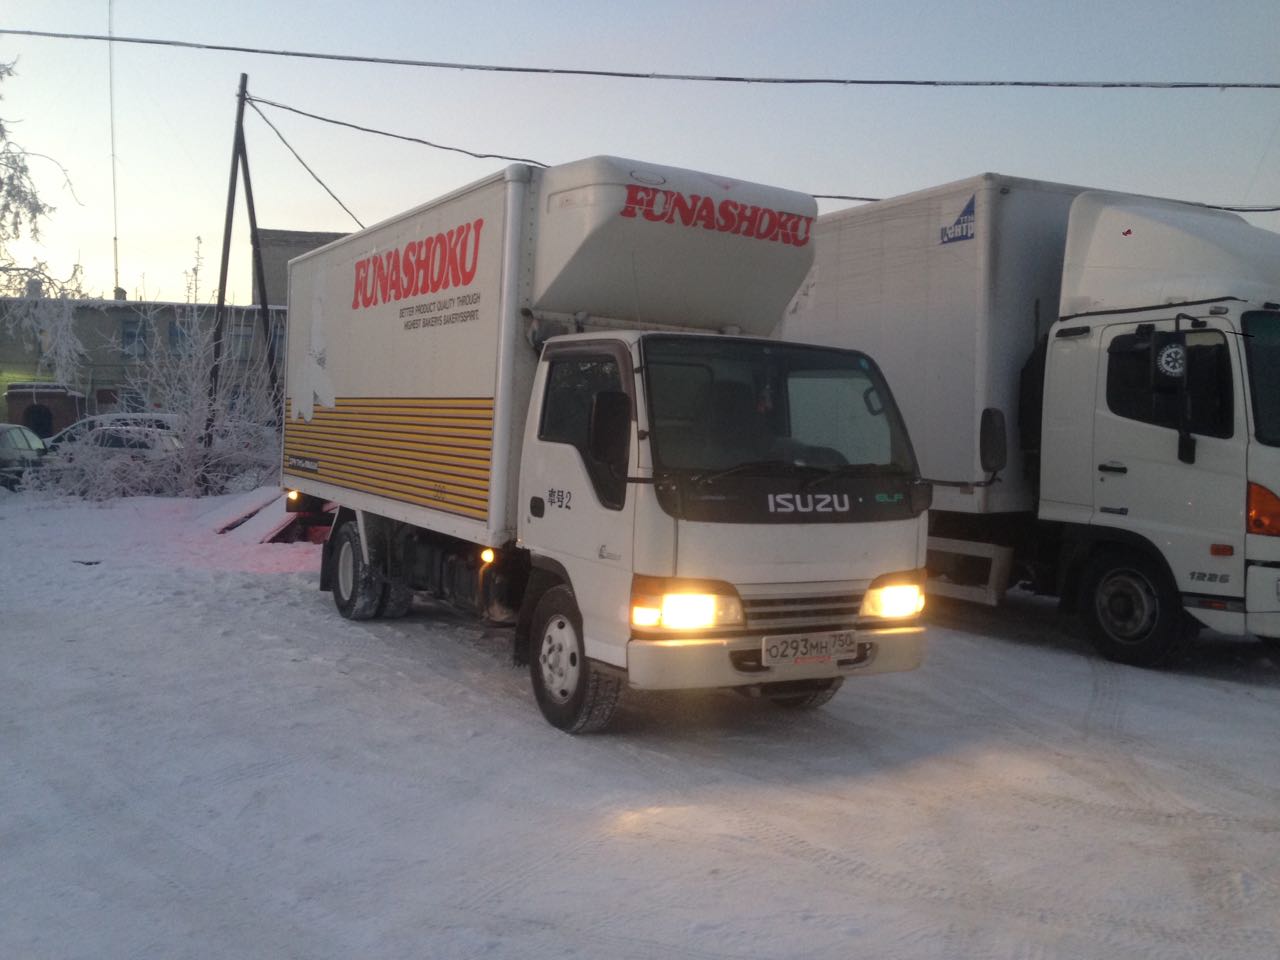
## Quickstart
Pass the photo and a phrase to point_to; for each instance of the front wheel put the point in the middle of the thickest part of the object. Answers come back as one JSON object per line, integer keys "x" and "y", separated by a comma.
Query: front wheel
{"x": 811, "y": 698}
{"x": 573, "y": 694}
{"x": 1132, "y": 609}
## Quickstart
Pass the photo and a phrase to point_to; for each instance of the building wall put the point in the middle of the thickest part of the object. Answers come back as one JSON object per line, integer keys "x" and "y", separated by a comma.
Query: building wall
{"x": 118, "y": 337}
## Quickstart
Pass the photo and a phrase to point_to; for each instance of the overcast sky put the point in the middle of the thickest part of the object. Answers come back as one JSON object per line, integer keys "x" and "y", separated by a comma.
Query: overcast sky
{"x": 175, "y": 108}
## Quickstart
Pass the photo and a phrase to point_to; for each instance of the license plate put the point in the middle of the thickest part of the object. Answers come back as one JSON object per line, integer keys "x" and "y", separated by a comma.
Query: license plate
{"x": 843, "y": 647}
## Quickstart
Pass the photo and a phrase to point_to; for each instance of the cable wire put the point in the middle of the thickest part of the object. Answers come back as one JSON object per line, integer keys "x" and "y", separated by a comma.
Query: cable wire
{"x": 314, "y": 175}
{"x": 636, "y": 75}
{"x": 253, "y": 101}
{"x": 396, "y": 136}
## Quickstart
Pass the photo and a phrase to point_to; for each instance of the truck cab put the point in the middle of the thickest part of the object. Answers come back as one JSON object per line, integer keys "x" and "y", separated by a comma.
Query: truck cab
{"x": 709, "y": 511}
{"x": 1169, "y": 486}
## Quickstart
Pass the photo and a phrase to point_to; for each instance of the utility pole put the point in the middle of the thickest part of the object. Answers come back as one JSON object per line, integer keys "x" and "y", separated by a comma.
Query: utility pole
{"x": 239, "y": 163}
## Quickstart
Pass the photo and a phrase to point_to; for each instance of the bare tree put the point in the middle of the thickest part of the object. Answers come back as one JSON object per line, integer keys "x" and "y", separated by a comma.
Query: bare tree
{"x": 44, "y": 314}
{"x": 231, "y": 441}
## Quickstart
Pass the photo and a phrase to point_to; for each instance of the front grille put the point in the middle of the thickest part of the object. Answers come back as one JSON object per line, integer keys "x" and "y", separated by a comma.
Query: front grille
{"x": 799, "y": 614}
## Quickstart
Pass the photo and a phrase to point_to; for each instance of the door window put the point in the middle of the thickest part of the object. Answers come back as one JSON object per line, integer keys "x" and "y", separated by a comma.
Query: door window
{"x": 1144, "y": 374}
{"x": 573, "y": 383}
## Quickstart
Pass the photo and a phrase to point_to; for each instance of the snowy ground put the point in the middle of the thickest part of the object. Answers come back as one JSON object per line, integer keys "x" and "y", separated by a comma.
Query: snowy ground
{"x": 199, "y": 758}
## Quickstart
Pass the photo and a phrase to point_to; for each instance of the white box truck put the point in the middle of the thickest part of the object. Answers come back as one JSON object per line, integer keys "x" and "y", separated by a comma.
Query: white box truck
{"x": 550, "y": 398}
{"x": 1133, "y": 342}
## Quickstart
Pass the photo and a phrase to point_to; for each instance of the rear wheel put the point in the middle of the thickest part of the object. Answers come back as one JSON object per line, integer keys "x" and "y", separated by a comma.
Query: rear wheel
{"x": 357, "y": 590}
{"x": 396, "y": 600}
{"x": 572, "y": 692}
{"x": 1132, "y": 609}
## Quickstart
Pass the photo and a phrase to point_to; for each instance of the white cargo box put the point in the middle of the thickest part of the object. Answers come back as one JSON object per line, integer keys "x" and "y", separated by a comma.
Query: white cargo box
{"x": 946, "y": 288}
{"x": 408, "y": 361}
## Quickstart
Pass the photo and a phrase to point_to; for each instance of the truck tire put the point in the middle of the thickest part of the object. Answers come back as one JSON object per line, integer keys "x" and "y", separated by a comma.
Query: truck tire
{"x": 1132, "y": 609}
{"x": 573, "y": 694}
{"x": 396, "y": 600}
{"x": 811, "y": 699}
{"x": 357, "y": 590}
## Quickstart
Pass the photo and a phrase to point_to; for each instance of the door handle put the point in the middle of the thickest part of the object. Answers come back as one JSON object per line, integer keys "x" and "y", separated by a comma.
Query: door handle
{"x": 537, "y": 506}
{"x": 1113, "y": 468}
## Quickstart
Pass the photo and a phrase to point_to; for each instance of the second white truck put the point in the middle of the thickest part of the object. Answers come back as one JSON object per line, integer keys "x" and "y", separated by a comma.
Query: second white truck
{"x": 549, "y": 398}
{"x": 1114, "y": 358}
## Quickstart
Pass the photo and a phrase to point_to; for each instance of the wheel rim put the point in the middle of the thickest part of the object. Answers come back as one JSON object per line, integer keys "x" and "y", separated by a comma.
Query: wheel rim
{"x": 346, "y": 570}
{"x": 558, "y": 659}
{"x": 1127, "y": 606}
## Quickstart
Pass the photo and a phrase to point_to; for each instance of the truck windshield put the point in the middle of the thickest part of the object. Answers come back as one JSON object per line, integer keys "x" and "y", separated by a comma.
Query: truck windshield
{"x": 1262, "y": 348}
{"x": 722, "y": 404}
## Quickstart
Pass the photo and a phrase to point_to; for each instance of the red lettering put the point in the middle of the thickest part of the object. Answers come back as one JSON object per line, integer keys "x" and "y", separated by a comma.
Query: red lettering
{"x": 420, "y": 267}
{"x": 747, "y": 220}
{"x": 362, "y": 273}
{"x": 394, "y": 290}
{"x": 409, "y": 269}
{"x": 666, "y": 213}
{"x": 706, "y": 217}
{"x": 422, "y": 282}
{"x": 380, "y": 279}
{"x": 768, "y": 225}
{"x": 807, "y": 223}
{"x": 728, "y": 216}
{"x": 469, "y": 272}
{"x": 686, "y": 208}
{"x": 440, "y": 263}
{"x": 638, "y": 198}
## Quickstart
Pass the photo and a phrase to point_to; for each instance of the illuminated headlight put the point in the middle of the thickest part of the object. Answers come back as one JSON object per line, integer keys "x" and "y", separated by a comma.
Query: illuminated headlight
{"x": 895, "y": 597}
{"x": 658, "y": 603}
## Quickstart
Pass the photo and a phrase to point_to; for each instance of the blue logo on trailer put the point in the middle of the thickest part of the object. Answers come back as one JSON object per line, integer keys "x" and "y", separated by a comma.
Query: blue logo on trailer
{"x": 963, "y": 228}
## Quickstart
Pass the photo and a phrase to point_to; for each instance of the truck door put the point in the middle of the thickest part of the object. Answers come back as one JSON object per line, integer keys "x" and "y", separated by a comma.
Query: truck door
{"x": 575, "y": 509}
{"x": 1192, "y": 511}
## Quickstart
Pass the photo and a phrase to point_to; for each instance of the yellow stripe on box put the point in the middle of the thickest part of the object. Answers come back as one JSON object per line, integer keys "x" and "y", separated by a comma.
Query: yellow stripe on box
{"x": 433, "y": 452}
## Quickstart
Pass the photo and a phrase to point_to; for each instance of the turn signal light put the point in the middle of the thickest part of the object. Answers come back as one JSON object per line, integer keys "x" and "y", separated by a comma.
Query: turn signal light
{"x": 1264, "y": 512}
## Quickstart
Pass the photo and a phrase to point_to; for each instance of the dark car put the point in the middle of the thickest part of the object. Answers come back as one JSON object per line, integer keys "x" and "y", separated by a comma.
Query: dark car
{"x": 20, "y": 451}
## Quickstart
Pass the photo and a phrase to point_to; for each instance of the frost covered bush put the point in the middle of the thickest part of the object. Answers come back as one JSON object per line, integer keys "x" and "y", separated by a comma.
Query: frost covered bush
{"x": 112, "y": 462}
{"x": 229, "y": 441}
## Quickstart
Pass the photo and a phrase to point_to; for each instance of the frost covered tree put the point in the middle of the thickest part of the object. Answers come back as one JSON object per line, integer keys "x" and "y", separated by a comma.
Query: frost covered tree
{"x": 44, "y": 310}
{"x": 229, "y": 440}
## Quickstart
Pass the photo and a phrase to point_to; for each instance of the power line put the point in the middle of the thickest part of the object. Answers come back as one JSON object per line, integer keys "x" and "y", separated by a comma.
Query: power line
{"x": 254, "y": 101}
{"x": 636, "y": 75}
{"x": 396, "y": 136}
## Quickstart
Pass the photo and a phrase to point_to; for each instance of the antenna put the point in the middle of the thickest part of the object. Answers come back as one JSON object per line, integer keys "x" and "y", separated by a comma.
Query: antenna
{"x": 111, "y": 99}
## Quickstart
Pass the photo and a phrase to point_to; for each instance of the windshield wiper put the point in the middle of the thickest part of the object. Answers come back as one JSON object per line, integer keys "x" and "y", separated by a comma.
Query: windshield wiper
{"x": 854, "y": 470}
{"x": 751, "y": 466}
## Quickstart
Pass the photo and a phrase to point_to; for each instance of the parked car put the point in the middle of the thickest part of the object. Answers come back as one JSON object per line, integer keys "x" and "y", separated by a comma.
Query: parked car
{"x": 20, "y": 450}
{"x": 109, "y": 461}
{"x": 81, "y": 428}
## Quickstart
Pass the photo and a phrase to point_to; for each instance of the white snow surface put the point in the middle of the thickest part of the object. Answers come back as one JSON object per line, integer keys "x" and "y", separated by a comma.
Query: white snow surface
{"x": 200, "y": 759}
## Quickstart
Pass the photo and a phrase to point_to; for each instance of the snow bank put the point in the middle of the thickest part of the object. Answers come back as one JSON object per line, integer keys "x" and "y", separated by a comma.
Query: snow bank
{"x": 201, "y": 759}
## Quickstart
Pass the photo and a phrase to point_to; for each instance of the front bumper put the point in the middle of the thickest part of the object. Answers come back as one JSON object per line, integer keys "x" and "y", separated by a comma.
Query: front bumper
{"x": 698, "y": 663}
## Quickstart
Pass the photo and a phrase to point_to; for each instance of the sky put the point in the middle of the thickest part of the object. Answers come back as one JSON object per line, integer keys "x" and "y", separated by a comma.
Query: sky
{"x": 174, "y": 109}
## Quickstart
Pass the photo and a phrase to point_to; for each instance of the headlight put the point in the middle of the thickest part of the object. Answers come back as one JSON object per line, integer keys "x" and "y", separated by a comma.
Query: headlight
{"x": 895, "y": 596}
{"x": 660, "y": 603}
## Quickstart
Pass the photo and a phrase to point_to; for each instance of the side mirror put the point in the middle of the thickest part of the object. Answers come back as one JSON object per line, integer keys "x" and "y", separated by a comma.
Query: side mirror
{"x": 993, "y": 448}
{"x": 609, "y": 432}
